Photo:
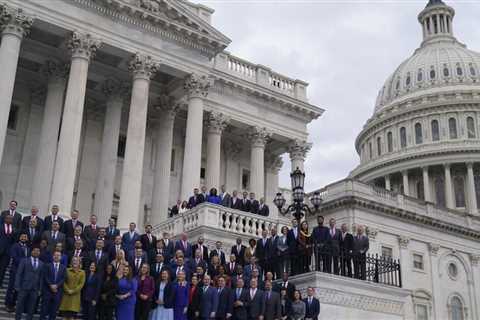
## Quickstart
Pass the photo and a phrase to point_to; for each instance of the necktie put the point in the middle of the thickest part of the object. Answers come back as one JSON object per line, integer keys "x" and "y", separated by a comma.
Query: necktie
{"x": 238, "y": 293}
{"x": 55, "y": 272}
{"x": 138, "y": 263}
{"x": 32, "y": 232}
{"x": 54, "y": 235}
{"x": 205, "y": 289}
{"x": 25, "y": 250}
{"x": 268, "y": 295}
{"x": 98, "y": 256}
{"x": 35, "y": 263}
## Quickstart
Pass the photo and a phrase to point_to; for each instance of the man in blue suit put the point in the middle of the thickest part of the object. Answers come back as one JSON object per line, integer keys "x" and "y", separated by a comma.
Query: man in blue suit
{"x": 225, "y": 300}
{"x": 209, "y": 300}
{"x": 18, "y": 252}
{"x": 28, "y": 280}
{"x": 53, "y": 278}
{"x": 321, "y": 240}
{"x": 292, "y": 242}
{"x": 184, "y": 246}
{"x": 129, "y": 238}
{"x": 312, "y": 305}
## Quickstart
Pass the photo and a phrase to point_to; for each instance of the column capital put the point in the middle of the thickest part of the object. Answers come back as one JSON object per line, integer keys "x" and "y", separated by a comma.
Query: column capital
{"x": 371, "y": 233}
{"x": 14, "y": 21}
{"x": 425, "y": 168}
{"x": 167, "y": 106}
{"x": 56, "y": 71}
{"x": 298, "y": 149}
{"x": 232, "y": 149}
{"x": 433, "y": 248}
{"x": 446, "y": 166}
{"x": 273, "y": 162}
{"x": 142, "y": 66}
{"x": 115, "y": 89}
{"x": 469, "y": 165}
{"x": 216, "y": 122}
{"x": 474, "y": 258}
{"x": 197, "y": 86}
{"x": 259, "y": 136}
{"x": 403, "y": 242}
{"x": 83, "y": 45}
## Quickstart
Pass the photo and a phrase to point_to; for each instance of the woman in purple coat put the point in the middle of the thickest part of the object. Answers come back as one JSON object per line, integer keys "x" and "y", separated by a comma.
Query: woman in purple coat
{"x": 181, "y": 297}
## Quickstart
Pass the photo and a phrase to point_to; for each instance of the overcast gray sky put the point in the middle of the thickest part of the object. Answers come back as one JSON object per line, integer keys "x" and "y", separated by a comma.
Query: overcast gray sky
{"x": 344, "y": 49}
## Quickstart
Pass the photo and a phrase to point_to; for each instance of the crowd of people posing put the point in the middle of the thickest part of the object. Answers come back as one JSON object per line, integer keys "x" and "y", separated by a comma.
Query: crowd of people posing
{"x": 70, "y": 269}
{"x": 247, "y": 202}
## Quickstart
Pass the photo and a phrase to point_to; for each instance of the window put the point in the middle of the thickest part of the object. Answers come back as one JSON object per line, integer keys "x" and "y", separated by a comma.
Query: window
{"x": 459, "y": 190}
{"x": 122, "y": 143}
{"x": 379, "y": 146}
{"x": 397, "y": 86}
{"x": 202, "y": 173}
{"x": 418, "y": 133}
{"x": 370, "y": 152}
{"x": 172, "y": 161}
{"x": 456, "y": 309}
{"x": 387, "y": 252}
{"x": 245, "y": 179}
{"x": 470, "y": 128}
{"x": 420, "y": 75}
{"x": 13, "y": 117}
{"x": 420, "y": 190}
{"x": 421, "y": 311}
{"x": 403, "y": 137}
{"x": 452, "y": 128}
{"x": 408, "y": 80}
{"x": 435, "y": 131}
{"x": 459, "y": 71}
{"x": 476, "y": 180}
{"x": 418, "y": 261}
{"x": 389, "y": 141}
{"x": 472, "y": 70}
{"x": 432, "y": 73}
{"x": 440, "y": 191}
{"x": 446, "y": 72}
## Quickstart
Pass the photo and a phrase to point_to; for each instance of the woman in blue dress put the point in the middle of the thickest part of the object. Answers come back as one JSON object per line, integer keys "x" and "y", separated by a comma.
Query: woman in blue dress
{"x": 181, "y": 297}
{"x": 126, "y": 294}
{"x": 213, "y": 197}
{"x": 164, "y": 298}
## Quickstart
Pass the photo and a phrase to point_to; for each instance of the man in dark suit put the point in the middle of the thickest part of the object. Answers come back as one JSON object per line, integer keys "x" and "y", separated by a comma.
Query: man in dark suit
{"x": 129, "y": 237}
{"x": 235, "y": 201}
{"x": 292, "y": 242}
{"x": 28, "y": 283}
{"x": 111, "y": 230}
{"x": 225, "y": 197}
{"x": 245, "y": 202}
{"x": 137, "y": 260}
{"x": 180, "y": 265}
{"x": 287, "y": 285}
{"x": 346, "y": 251}
{"x": 158, "y": 266}
{"x": 218, "y": 251}
{"x": 70, "y": 225}
{"x": 240, "y": 300}
{"x": 209, "y": 300}
{"x": 239, "y": 251}
{"x": 80, "y": 252}
{"x": 77, "y": 235}
{"x": 273, "y": 308}
{"x": 52, "y": 289}
{"x": 312, "y": 305}
{"x": 169, "y": 247}
{"x": 18, "y": 252}
{"x": 184, "y": 246}
{"x": 321, "y": 239}
{"x": 33, "y": 217}
{"x": 334, "y": 245}
{"x": 54, "y": 216}
{"x": 115, "y": 247}
{"x": 54, "y": 236}
{"x": 263, "y": 209}
{"x": 262, "y": 251}
{"x": 91, "y": 232}
{"x": 99, "y": 256}
{"x": 254, "y": 204}
{"x": 33, "y": 232}
{"x": 176, "y": 208}
{"x": 203, "y": 249}
{"x": 196, "y": 199}
{"x": 272, "y": 254}
{"x": 248, "y": 269}
{"x": 198, "y": 261}
{"x": 256, "y": 303}
{"x": 225, "y": 300}
{"x": 360, "y": 248}
{"x": 231, "y": 265}
{"x": 204, "y": 193}
{"x": 148, "y": 240}
{"x": 12, "y": 211}
{"x": 7, "y": 239}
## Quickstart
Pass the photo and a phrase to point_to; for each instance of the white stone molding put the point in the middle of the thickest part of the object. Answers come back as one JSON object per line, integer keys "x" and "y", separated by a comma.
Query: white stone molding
{"x": 83, "y": 45}
{"x": 403, "y": 242}
{"x": 55, "y": 70}
{"x": 216, "y": 122}
{"x": 433, "y": 248}
{"x": 14, "y": 21}
{"x": 259, "y": 136}
{"x": 197, "y": 86}
{"x": 142, "y": 66}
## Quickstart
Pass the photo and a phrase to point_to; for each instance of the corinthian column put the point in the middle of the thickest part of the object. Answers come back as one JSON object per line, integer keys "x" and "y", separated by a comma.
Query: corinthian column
{"x": 142, "y": 68}
{"x": 104, "y": 188}
{"x": 449, "y": 199}
{"x": 161, "y": 180}
{"x": 14, "y": 25}
{"x": 56, "y": 73}
{"x": 472, "y": 195}
{"x": 83, "y": 47}
{"x": 216, "y": 123}
{"x": 258, "y": 138}
{"x": 273, "y": 164}
{"x": 232, "y": 175}
{"x": 298, "y": 151}
{"x": 197, "y": 89}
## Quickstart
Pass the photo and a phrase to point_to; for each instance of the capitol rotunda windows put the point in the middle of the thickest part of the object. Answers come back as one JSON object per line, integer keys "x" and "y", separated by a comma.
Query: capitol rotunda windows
{"x": 418, "y": 133}
{"x": 403, "y": 137}
{"x": 470, "y": 128}
{"x": 435, "y": 130}
{"x": 452, "y": 128}
{"x": 389, "y": 141}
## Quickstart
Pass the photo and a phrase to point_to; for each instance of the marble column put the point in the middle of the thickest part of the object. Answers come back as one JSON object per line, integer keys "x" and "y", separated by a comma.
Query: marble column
{"x": 405, "y": 260}
{"x": 83, "y": 48}
{"x": 426, "y": 184}
{"x": 273, "y": 165}
{"x": 258, "y": 139}
{"x": 438, "y": 308}
{"x": 472, "y": 195}
{"x": 298, "y": 151}
{"x": 449, "y": 200}
{"x": 143, "y": 68}
{"x": 115, "y": 91}
{"x": 406, "y": 189}
{"x": 196, "y": 88}
{"x": 14, "y": 25}
{"x": 232, "y": 168}
{"x": 56, "y": 72}
{"x": 164, "y": 140}
{"x": 387, "y": 183}
{"x": 216, "y": 122}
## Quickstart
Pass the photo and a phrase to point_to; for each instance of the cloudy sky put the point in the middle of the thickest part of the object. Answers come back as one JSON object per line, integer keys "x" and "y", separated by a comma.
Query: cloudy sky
{"x": 344, "y": 49}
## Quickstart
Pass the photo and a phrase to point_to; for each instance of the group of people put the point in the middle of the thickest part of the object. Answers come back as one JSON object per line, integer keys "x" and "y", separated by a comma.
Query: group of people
{"x": 247, "y": 202}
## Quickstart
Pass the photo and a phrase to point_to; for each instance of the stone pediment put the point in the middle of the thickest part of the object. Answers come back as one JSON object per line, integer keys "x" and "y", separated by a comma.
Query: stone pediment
{"x": 174, "y": 17}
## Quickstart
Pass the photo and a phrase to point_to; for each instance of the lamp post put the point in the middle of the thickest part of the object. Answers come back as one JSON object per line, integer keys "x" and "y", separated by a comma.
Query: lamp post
{"x": 298, "y": 208}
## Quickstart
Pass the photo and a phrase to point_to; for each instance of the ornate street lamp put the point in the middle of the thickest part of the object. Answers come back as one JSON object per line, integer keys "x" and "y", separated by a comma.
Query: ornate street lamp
{"x": 298, "y": 208}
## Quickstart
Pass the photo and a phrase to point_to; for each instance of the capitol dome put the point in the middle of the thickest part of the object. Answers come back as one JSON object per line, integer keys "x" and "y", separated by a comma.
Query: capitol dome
{"x": 423, "y": 139}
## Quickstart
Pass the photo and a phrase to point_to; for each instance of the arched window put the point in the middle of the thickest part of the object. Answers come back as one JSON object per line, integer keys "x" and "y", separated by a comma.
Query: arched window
{"x": 418, "y": 133}
{"x": 420, "y": 75}
{"x": 439, "y": 191}
{"x": 472, "y": 70}
{"x": 370, "y": 153}
{"x": 397, "y": 86}
{"x": 408, "y": 80}
{"x": 435, "y": 131}
{"x": 459, "y": 189}
{"x": 446, "y": 72}
{"x": 403, "y": 137}
{"x": 432, "y": 73}
{"x": 389, "y": 141}
{"x": 379, "y": 146}
{"x": 452, "y": 128}
{"x": 470, "y": 128}
{"x": 459, "y": 71}
{"x": 420, "y": 190}
{"x": 456, "y": 309}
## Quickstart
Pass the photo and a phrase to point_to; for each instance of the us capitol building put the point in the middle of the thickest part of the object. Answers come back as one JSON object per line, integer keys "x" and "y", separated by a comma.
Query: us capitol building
{"x": 121, "y": 107}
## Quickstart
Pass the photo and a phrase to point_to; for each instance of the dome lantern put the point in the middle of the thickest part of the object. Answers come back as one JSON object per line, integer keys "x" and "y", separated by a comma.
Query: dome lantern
{"x": 436, "y": 20}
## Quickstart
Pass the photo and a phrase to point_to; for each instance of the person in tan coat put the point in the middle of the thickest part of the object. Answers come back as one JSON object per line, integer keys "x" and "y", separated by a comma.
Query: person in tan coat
{"x": 72, "y": 289}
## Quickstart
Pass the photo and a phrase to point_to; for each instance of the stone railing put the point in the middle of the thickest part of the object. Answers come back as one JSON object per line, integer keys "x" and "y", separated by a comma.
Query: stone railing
{"x": 260, "y": 75}
{"x": 219, "y": 218}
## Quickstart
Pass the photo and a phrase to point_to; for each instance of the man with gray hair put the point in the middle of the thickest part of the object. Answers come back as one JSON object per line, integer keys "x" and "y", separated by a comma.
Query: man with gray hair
{"x": 360, "y": 248}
